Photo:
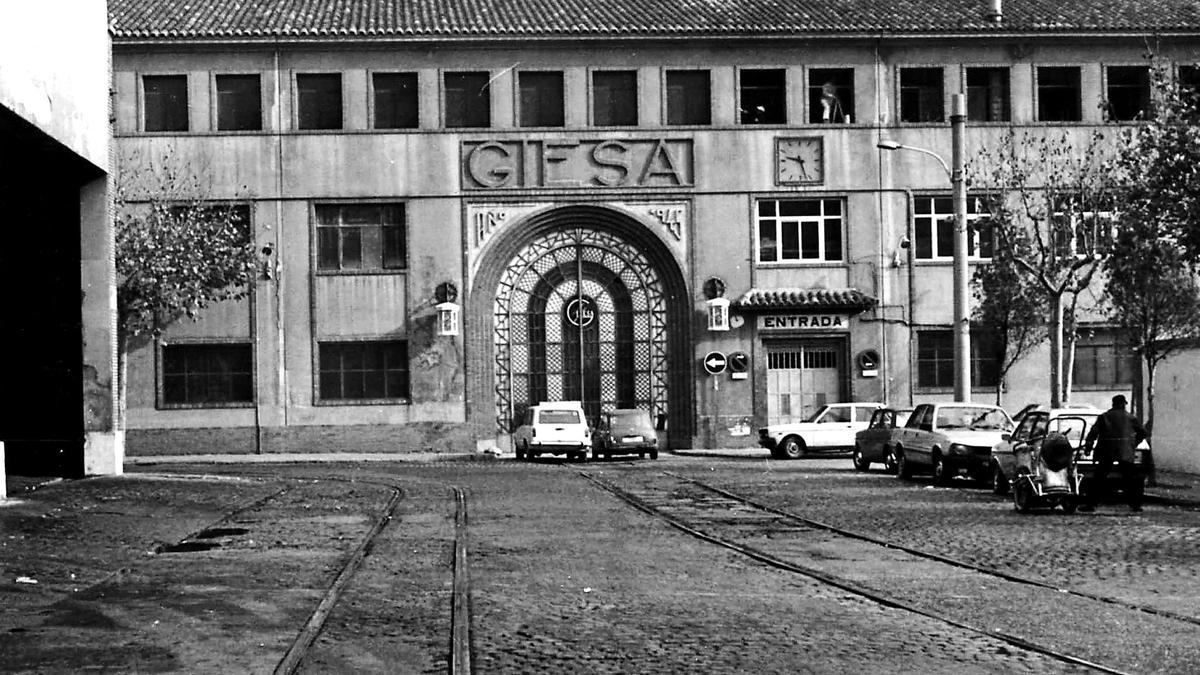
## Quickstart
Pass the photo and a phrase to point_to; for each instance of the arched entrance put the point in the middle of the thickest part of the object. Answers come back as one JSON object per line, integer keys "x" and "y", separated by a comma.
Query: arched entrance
{"x": 585, "y": 304}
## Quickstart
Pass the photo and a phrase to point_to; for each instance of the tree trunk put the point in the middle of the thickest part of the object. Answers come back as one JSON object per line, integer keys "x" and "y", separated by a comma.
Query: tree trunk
{"x": 1148, "y": 457}
{"x": 122, "y": 380}
{"x": 1056, "y": 351}
{"x": 1070, "y": 339}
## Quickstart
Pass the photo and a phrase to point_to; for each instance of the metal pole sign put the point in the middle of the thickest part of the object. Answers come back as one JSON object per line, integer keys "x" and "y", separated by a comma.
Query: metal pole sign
{"x": 739, "y": 363}
{"x": 714, "y": 363}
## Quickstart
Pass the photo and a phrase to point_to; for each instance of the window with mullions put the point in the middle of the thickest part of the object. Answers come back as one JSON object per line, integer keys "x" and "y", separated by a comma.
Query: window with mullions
{"x": 614, "y": 98}
{"x": 800, "y": 230}
{"x": 1127, "y": 90}
{"x": 830, "y": 95}
{"x": 319, "y": 101}
{"x": 987, "y": 94}
{"x": 541, "y": 102}
{"x": 933, "y": 226}
{"x": 352, "y": 237}
{"x": 1103, "y": 358}
{"x": 1058, "y": 94}
{"x": 468, "y": 100}
{"x": 356, "y": 371}
{"x": 207, "y": 374}
{"x": 395, "y": 100}
{"x": 164, "y": 103}
{"x": 1083, "y": 229}
{"x": 689, "y": 97}
{"x": 239, "y": 103}
{"x": 763, "y": 96}
{"x": 921, "y": 95}
{"x": 935, "y": 359}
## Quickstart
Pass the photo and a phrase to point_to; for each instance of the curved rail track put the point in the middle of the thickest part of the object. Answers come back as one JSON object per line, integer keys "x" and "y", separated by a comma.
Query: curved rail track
{"x": 718, "y": 515}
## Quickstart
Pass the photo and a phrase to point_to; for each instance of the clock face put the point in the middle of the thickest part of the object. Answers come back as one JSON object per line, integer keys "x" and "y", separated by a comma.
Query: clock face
{"x": 799, "y": 161}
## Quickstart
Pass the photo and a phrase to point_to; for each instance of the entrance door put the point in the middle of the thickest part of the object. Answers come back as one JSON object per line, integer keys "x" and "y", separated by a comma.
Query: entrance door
{"x": 580, "y": 315}
{"x": 802, "y": 377}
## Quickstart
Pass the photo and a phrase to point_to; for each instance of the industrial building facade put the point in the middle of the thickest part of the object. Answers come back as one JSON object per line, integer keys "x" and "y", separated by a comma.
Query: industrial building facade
{"x": 465, "y": 213}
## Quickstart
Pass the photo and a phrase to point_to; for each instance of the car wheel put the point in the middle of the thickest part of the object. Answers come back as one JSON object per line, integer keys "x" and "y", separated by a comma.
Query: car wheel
{"x": 941, "y": 472}
{"x": 1070, "y": 506}
{"x": 654, "y": 454}
{"x": 1022, "y": 495}
{"x": 523, "y": 450}
{"x": 903, "y": 468}
{"x": 1000, "y": 484}
{"x": 889, "y": 460}
{"x": 860, "y": 463}
{"x": 791, "y": 448}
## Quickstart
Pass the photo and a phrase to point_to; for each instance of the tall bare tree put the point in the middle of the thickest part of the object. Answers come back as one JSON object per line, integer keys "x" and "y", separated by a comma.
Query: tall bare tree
{"x": 1050, "y": 204}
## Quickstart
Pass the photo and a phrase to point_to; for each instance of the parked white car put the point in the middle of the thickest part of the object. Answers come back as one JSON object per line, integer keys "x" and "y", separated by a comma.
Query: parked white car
{"x": 553, "y": 428}
{"x": 831, "y": 428}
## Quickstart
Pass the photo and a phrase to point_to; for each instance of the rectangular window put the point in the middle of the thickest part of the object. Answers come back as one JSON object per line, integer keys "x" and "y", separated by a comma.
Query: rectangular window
{"x": 800, "y": 230}
{"x": 921, "y": 95}
{"x": 763, "y": 96}
{"x": 541, "y": 102}
{"x": 831, "y": 95}
{"x": 933, "y": 225}
{"x": 319, "y": 101}
{"x": 360, "y": 237}
{"x": 1128, "y": 93}
{"x": 207, "y": 374}
{"x": 614, "y": 98}
{"x": 689, "y": 97}
{"x": 468, "y": 100}
{"x": 1103, "y": 359}
{"x": 239, "y": 103}
{"x": 395, "y": 100}
{"x": 935, "y": 359}
{"x": 1083, "y": 229}
{"x": 363, "y": 370}
{"x": 987, "y": 94}
{"x": 165, "y": 102}
{"x": 1189, "y": 78}
{"x": 1058, "y": 94}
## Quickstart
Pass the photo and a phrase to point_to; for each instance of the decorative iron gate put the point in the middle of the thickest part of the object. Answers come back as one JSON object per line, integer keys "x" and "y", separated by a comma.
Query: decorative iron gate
{"x": 580, "y": 315}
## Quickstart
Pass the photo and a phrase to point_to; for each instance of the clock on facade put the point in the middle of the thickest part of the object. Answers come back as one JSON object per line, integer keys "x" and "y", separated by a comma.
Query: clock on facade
{"x": 800, "y": 161}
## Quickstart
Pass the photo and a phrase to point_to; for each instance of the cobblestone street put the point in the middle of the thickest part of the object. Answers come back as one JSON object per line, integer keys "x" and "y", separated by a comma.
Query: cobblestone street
{"x": 564, "y": 576}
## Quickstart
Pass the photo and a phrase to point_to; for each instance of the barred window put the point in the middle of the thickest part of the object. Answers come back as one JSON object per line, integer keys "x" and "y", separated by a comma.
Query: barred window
{"x": 363, "y": 370}
{"x": 360, "y": 237}
{"x": 933, "y": 225}
{"x": 800, "y": 230}
{"x": 207, "y": 374}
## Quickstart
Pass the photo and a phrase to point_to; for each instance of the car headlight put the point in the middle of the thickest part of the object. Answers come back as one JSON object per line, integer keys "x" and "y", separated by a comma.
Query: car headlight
{"x": 956, "y": 449}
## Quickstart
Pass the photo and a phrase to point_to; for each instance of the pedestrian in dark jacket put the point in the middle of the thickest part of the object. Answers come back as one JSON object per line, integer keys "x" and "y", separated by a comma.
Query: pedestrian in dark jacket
{"x": 1115, "y": 436}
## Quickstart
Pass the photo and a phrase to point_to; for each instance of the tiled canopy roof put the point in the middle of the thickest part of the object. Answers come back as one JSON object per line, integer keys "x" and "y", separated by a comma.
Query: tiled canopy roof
{"x": 804, "y": 299}
{"x": 399, "y": 19}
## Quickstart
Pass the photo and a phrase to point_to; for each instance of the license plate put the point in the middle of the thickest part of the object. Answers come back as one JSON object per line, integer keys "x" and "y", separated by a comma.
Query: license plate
{"x": 631, "y": 439}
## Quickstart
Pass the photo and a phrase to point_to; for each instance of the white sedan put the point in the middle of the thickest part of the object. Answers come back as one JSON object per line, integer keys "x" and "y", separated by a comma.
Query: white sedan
{"x": 831, "y": 428}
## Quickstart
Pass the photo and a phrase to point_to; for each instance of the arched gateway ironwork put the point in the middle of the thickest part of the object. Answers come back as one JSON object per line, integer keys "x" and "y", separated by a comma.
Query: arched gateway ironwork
{"x": 580, "y": 314}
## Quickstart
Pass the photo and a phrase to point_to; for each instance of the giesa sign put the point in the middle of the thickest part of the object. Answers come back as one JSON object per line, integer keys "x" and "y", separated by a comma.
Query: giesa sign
{"x": 577, "y": 163}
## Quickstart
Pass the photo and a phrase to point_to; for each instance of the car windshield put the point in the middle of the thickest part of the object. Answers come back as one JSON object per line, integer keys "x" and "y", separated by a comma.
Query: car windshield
{"x": 978, "y": 419}
{"x": 631, "y": 418}
{"x": 828, "y": 413}
{"x": 558, "y": 417}
{"x": 902, "y": 417}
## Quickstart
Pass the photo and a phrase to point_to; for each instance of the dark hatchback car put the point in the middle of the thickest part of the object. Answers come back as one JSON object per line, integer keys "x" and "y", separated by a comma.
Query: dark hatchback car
{"x": 624, "y": 432}
{"x": 875, "y": 443}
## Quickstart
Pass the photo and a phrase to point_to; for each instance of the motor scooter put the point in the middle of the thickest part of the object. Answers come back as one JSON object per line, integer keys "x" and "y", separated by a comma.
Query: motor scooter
{"x": 1046, "y": 475}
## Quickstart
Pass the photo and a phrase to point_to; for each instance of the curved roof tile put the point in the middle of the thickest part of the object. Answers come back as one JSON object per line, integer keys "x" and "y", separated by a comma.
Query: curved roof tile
{"x": 765, "y": 299}
{"x": 212, "y": 19}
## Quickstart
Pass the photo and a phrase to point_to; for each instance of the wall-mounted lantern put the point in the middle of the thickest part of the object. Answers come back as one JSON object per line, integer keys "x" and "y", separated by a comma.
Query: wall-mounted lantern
{"x": 448, "y": 310}
{"x": 717, "y": 304}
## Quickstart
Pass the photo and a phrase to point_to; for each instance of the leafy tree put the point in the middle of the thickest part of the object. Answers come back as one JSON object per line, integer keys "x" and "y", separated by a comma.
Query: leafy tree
{"x": 1009, "y": 307}
{"x": 1152, "y": 283}
{"x": 176, "y": 253}
{"x": 1049, "y": 202}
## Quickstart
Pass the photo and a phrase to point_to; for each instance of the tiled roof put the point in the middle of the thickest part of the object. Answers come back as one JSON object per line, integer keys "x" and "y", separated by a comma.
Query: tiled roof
{"x": 805, "y": 299}
{"x": 413, "y": 19}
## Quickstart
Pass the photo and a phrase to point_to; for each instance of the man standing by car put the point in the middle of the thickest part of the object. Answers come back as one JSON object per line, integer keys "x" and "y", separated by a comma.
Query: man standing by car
{"x": 1115, "y": 435}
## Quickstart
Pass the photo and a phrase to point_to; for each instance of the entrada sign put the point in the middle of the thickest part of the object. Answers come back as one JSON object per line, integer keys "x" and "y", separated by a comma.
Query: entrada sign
{"x": 803, "y": 321}
{"x": 577, "y": 163}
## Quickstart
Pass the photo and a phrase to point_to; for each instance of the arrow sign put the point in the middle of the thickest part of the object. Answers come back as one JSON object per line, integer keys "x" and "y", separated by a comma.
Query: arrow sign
{"x": 714, "y": 363}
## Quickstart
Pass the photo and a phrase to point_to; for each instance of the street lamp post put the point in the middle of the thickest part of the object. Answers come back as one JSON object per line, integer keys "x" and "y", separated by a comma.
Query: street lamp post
{"x": 962, "y": 303}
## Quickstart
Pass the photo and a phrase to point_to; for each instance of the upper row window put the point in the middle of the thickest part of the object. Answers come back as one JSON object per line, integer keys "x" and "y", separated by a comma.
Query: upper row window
{"x": 762, "y": 97}
{"x": 800, "y": 230}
